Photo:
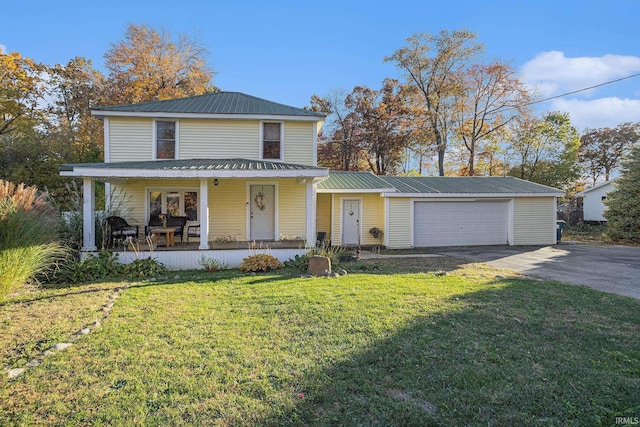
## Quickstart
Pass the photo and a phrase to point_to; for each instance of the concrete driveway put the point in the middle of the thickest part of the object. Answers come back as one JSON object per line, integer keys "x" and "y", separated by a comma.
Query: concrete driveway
{"x": 614, "y": 269}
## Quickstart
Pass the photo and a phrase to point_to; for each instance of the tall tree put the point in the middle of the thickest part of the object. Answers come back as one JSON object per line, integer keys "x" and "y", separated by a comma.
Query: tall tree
{"x": 492, "y": 96}
{"x": 74, "y": 88}
{"x": 546, "y": 149}
{"x": 381, "y": 117}
{"x": 149, "y": 65}
{"x": 623, "y": 204}
{"x": 432, "y": 65}
{"x": 21, "y": 89}
{"x": 339, "y": 148}
{"x": 601, "y": 150}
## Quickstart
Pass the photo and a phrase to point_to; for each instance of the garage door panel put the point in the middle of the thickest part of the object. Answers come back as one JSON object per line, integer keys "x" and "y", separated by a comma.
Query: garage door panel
{"x": 460, "y": 223}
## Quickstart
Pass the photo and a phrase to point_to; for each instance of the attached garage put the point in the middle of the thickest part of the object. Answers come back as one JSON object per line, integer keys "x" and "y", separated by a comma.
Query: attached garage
{"x": 460, "y": 223}
{"x": 445, "y": 211}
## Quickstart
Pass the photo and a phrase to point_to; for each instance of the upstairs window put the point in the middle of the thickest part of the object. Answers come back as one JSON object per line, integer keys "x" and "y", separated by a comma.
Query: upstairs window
{"x": 271, "y": 141}
{"x": 165, "y": 140}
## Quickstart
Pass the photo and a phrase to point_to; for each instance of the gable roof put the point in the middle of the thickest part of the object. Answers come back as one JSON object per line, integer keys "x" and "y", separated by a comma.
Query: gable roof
{"x": 602, "y": 184}
{"x": 433, "y": 186}
{"x": 209, "y": 104}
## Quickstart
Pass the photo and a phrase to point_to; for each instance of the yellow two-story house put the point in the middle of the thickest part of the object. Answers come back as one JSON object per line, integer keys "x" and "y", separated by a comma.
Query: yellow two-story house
{"x": 241, "y": 169}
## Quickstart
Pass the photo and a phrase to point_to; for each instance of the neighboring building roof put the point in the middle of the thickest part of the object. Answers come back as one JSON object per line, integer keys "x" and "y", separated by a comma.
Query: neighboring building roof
{"x": 406, "y": 186}
{"x": 342, "y": 181}
{"x": 203, "y": 168}
{"x": 216, "y": 103}
{"x": 596, "y": 187}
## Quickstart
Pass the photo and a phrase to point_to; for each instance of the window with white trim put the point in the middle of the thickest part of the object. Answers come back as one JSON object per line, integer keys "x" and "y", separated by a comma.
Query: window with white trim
{"x": 165, "y": 139}
{"x": 272, "y": 141}
{"x": 174, "y": 203}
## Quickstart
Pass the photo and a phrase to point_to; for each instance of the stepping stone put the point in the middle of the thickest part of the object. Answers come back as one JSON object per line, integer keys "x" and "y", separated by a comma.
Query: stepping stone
{"x": 34, "y": 363}
{"x": 14, "y": 373}
{"x": 61, "y": 346}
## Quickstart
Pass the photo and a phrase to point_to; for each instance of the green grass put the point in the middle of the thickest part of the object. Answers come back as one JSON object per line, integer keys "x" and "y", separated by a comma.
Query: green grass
{"x": 467, "y": 348}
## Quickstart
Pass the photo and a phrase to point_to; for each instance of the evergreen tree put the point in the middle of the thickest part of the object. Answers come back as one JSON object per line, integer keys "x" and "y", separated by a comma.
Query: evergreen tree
{"x": 623, "y": 213}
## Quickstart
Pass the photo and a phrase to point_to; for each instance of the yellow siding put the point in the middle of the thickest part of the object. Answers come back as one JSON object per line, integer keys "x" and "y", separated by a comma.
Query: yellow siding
{"x": 372, "y": 214}
{"x": 400, "y": 223}
{"x": 323, "y": 213}
{"x": 227, "y": 204}
{"x": 298, "y": 143}
{"x": 130, "y": 139}
{"x": 534, "y": 221}
{"x": 292, "y": 202}
{"x": 228, "y": 209}
{"x": 219, "y": 139}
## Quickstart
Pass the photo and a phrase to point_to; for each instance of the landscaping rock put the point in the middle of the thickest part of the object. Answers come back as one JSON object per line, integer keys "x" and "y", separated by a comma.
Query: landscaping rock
{"x": 61, "y": 346}
{"x": 84, "y": 331}
{"x": 334, "y": 275}
{"x": 342, "y": 272}
{"x": 319, "y": 266}
{"x": 96, "y": 324}
{"x": 176, "y": 277}
{"x": 34, "y": 363}
{"x": 14, "y": 373}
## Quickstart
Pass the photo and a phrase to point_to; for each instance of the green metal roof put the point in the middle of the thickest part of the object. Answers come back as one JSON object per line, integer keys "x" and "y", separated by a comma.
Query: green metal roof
{"x": 466, "y": 185}
{"x": 340, "y": 180}
{"x": 193, "y": 165}
{"x": 353, "y": 181}
{"x": 235, "y": 103}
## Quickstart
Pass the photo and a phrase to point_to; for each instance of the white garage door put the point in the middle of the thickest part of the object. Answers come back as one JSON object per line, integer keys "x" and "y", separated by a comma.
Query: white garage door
{"x": 460, "y": 223}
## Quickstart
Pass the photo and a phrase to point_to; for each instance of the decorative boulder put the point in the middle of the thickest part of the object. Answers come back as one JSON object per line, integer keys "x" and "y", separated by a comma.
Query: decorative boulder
{"x": 319, "y": 266}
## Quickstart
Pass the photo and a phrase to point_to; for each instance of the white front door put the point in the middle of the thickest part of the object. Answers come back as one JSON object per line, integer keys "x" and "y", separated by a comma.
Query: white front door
{"x": 262, "y": 212}
{"x": 351, "y": 222}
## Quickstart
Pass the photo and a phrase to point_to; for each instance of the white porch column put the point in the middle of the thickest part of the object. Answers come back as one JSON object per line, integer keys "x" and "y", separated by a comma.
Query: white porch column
{"x": 88, "y": 215}
{"x": 204, "y": 214}
{"x": 311, "y": 213}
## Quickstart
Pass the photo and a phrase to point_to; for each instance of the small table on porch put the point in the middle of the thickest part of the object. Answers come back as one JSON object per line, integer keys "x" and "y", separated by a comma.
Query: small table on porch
{"x": 169, "y": 235}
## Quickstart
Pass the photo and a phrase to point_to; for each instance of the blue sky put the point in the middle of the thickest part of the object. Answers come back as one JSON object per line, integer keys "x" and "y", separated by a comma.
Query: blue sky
{"x": 288, "y": 50}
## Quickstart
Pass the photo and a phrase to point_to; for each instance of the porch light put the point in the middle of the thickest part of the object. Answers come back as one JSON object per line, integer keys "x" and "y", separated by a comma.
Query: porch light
{"x": 215, "y": 181}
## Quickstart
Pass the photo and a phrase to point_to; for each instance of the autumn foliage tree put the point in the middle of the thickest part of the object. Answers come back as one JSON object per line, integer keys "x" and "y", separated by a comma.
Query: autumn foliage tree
{"x": 338, "y": 147}
{"x": 601, "y": 150}
{"x": 150, "y": 65}
{"x": 545, "y": 150}
{"x": 381, "y": 118}
{"x": 73, "y": 89}
{"x": 432, "y": 65}
{"x": 492, "y": 96}
{"x": 21, "y": 89}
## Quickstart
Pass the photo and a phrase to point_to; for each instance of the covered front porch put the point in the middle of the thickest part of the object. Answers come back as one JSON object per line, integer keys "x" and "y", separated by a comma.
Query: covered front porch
{"x": 232, "y": 203}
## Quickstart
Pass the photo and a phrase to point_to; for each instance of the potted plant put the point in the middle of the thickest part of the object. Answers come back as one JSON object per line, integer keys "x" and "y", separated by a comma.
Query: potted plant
{"x": 210, "y": 264}
{"x": 375, "y": 231}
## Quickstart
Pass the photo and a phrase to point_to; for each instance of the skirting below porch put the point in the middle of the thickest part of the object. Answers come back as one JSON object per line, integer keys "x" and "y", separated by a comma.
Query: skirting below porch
{"x": 188, "y": 259}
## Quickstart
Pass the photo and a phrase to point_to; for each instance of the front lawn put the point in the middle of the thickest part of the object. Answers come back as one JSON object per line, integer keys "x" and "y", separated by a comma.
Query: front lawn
{"x": 472, "y": 347}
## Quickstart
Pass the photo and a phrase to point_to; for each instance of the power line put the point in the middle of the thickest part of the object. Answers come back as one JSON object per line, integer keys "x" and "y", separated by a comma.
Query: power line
{"x": 579, "y": 90}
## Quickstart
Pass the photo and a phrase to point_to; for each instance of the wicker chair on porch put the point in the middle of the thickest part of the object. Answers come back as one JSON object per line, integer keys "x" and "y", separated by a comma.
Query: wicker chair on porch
{"x": 120, "y": 229}
{"x": 193, "y": 230}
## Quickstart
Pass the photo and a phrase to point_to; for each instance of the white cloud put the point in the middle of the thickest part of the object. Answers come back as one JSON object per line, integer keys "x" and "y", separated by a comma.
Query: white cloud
{"x": 3, "y": 48}
{"x": 599, "y": 113}
{"x": 552, "y": 73}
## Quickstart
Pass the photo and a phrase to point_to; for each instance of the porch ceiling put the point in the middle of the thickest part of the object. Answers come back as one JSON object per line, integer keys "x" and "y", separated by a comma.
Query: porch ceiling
{"x": 193, "y": 168}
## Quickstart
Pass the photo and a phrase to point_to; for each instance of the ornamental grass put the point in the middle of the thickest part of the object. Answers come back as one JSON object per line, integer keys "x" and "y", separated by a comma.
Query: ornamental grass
{"x": 28, "y": 235}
